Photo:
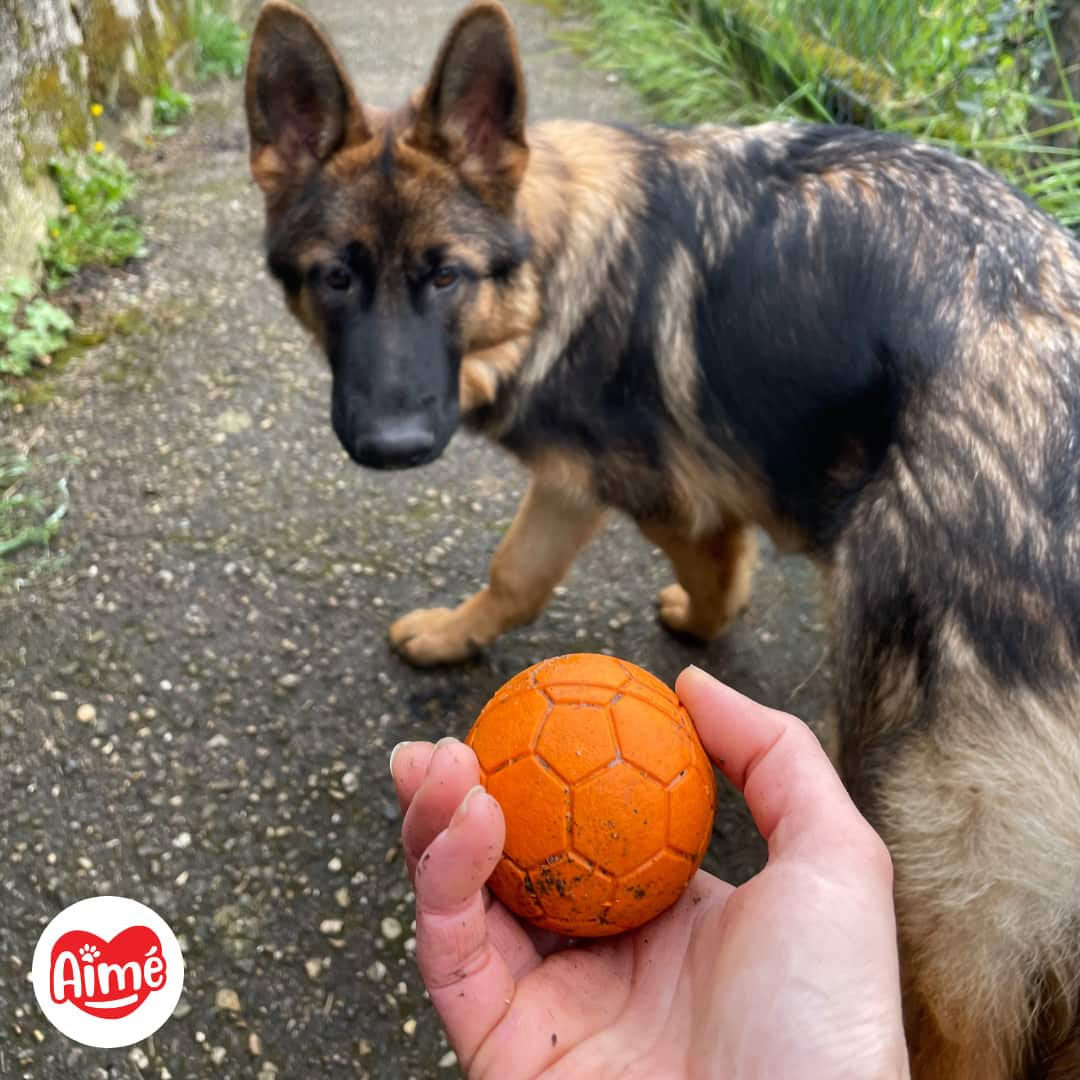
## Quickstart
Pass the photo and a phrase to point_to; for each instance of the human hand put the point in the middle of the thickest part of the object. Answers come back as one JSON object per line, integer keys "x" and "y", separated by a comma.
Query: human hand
{"x": 793, "y": 974}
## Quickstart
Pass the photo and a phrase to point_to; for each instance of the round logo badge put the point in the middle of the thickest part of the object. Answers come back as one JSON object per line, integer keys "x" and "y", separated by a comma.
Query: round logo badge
{"x": 107, "y": 971}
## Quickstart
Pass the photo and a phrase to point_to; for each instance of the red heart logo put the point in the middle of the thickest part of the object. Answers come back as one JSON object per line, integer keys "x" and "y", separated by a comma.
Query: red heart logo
{"x": 107, "y": 979}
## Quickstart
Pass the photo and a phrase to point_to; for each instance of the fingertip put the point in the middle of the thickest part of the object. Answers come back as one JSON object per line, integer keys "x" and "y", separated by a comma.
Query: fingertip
{"x": 463, "y": 807}
{"x": 460, "y": 859}
{"x": 409, "y": 763}
{"x": 394, "y": 753}
{"x": 442, "y": 777}
{"x": 692, "y": 671}
{"x": 452, "y": 752}
{"x": 478, "y": 805}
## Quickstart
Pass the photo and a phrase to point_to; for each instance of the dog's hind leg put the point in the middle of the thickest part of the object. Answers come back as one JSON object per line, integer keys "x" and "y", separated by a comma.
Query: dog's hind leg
{"x": 551, "y": 526}
{"x": 972, "y": 779}
{"x": 978, "y": 803}
{"x": 981, "y": 819}
{"x": 715, "y": 574}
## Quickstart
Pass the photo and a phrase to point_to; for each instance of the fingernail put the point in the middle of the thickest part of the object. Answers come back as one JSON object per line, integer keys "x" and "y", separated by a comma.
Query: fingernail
{"x": 446, "y": 740}
{"x": 394, "y": 753}
{"x": 692, "y": 671}
{"x": 463, "y": 806}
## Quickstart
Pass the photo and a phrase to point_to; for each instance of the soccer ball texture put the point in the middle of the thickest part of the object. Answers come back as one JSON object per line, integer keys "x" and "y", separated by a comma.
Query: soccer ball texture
{"x": 607, "y": 793}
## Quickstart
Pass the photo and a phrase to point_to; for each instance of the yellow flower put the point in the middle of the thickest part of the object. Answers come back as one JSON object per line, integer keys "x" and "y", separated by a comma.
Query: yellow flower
{"x": 54, "y": 233}
{"x": 71, "y": 208}
{"x": 96, "y": 109}
{"x": 99, "y": 147}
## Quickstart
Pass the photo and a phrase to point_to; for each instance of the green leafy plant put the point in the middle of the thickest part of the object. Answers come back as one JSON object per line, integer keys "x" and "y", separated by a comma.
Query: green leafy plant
{"x": 27, "y": 517}
{"x": 171, "y": 108}
{"x": 220, "y": 43}
{"x": 93, "y": 229}
{"x": 31, "y": 329}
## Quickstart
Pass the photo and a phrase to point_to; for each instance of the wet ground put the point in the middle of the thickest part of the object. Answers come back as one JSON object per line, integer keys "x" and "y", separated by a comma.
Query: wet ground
{"x": 197, "y": 702}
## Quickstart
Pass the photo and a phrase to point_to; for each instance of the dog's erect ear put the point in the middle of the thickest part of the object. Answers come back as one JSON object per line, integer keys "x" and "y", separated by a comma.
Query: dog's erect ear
{"x": 301, "y": 107}
{"x": 472, "y": 112}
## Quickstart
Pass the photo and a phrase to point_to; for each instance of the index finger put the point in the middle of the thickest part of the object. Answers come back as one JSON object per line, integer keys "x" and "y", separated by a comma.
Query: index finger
{"x": 776, "y": 761}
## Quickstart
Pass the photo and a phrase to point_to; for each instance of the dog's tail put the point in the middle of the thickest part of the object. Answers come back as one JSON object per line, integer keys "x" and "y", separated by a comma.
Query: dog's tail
{"x": 981, "y": 811}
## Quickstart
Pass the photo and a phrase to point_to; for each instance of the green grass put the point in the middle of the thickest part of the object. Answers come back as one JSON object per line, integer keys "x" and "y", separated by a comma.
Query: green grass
{"x": 94, "y": 227}
{"x": 981, "y": 76}
{"x": 220, "y": 43}
{"x": 29, "y": 517}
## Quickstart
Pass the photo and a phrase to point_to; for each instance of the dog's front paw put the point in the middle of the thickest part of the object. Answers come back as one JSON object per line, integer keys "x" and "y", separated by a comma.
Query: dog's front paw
{"x": 432, "y": 636}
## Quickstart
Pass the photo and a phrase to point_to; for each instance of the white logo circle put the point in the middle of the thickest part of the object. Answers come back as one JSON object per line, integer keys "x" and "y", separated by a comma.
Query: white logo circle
{"x": 107, "y": 971}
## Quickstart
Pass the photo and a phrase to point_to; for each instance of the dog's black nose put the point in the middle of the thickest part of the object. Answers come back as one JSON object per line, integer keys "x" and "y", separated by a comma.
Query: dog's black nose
{"x": 398, "y": 444}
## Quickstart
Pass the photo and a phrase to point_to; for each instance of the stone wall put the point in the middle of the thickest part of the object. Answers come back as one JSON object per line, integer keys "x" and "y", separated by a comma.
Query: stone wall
{"x": 56, "y": 58}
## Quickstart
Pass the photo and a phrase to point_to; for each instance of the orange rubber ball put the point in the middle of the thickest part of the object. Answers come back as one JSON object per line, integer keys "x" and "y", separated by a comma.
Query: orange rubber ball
{"x": 607, "y": 792}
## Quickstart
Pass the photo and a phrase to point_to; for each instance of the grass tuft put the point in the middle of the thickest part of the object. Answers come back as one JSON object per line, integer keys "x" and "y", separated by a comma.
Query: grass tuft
{"x": 220, "y": 42}
{"x": 984, "y": 77}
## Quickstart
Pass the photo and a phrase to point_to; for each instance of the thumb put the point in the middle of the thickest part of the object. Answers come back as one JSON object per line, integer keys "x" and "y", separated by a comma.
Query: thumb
{"x": 791, "y": 788}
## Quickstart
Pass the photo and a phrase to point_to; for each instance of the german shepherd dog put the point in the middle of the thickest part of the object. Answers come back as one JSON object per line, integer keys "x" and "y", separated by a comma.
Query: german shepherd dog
{"x": 867, "y": 346}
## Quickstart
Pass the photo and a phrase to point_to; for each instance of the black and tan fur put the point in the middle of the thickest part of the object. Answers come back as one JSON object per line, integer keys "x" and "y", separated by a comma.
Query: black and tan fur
{"x": 867, "y": 346}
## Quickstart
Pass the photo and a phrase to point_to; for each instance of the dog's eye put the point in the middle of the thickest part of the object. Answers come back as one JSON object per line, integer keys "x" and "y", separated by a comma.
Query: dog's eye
{"x": 337, "y": 277}
{"x": 444, "y": 277}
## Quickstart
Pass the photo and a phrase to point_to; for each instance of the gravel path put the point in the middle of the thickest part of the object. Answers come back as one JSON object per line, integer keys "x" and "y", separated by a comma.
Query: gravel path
{"x": 196, "y": 707}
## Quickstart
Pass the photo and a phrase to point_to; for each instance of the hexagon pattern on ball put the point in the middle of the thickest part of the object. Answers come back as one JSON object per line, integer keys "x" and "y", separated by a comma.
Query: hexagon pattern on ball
{"x": 497, "y": 745}
{"x": 607, "y": 792}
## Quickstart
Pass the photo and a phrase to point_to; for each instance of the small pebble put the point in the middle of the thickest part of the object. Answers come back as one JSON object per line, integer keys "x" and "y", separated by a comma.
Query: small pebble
{"x": 448, "y": 1060}
{"x": 391, "y": 928}
{"x": 409, "y": 1027}
{"x": 255, "y": 1046}
{"x": 227, "y": 999}
{"x": 217, "y": 1054}
{"x": 86, "y": 714}
{"x": 313, "y": 968}
{"x": 331, "y": 927}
